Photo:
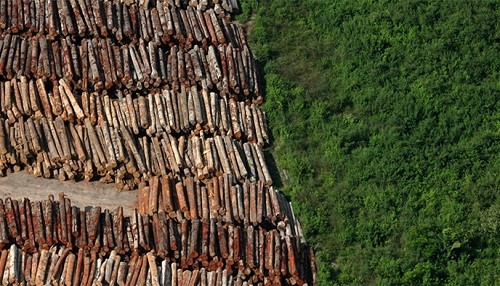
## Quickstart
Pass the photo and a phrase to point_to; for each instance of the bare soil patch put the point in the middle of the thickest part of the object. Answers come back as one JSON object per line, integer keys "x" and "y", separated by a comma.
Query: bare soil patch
{"x": 81, "y": 194}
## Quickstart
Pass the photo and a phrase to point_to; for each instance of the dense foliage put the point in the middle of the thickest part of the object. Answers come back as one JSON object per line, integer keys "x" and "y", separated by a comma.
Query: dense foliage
{"x": 386, "y": 125}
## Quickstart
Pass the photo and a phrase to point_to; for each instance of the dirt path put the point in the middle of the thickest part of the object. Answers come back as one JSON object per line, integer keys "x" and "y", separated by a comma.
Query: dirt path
{"x": 82, "y": 194}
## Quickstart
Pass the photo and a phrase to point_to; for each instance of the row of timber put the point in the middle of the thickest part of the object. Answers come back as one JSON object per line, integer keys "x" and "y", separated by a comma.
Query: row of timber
{"x": 124, "y": 20}
{"x": 54, "y": 227}
{"x": 161, "y": 97}
{"x": 247, "y": 203}
{"x": 53, "y": 149}
{"x": 60, "y": 266}
{"x": 97, "y": 64}
{"x": 186, "y": 110}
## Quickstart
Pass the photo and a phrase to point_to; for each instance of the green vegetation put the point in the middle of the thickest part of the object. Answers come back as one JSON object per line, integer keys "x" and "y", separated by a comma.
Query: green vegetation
{"x": 386, "y": 116}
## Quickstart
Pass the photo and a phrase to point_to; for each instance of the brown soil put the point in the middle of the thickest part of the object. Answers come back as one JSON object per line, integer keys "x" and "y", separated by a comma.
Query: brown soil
{"x": 82, "y": 194}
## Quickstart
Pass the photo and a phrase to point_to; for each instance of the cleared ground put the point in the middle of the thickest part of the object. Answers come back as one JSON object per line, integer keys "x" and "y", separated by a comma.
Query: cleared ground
{"x": 82, "y": 193}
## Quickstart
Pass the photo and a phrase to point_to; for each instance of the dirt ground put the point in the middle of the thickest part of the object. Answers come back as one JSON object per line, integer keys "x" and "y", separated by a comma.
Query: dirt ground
{"x": 82, "y": 193}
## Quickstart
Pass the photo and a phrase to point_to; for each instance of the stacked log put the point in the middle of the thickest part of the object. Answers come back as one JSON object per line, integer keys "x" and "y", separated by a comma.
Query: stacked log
{"x": 94, "y": 90}
{"x": 46, "y": 122}
{"x": 137, "y": 47}
{"x": 185, "y": 112}
{"x": 127, "y": 20}
{"x": 36, "y": 225}
{"x": 55, "y": 148}
{"x": 160, "y": 96}
{"x": 63, "y": 266}
{"x": 55, "y": 226}
{"x": 247, "y": 203}
{"x": 91, "y": 64}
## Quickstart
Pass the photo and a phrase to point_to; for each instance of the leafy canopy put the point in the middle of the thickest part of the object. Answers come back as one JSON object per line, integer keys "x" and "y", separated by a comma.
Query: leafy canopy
{"x": 385, "y": 117}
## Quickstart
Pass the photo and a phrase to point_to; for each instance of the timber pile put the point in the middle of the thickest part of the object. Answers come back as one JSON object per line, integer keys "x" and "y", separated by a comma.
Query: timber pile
{"x": 68, "y": 151}
{"x": 248, "y": 203}
{"x": 57, "y": 229}
{"x": 62, "y": 266}
{"x": 129, "y": 18}
{"x": 102, "y": 64}
{"x": 69, "y": 106}
{"x": 183, "y": 111}
{"x": 160, "y": 96}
